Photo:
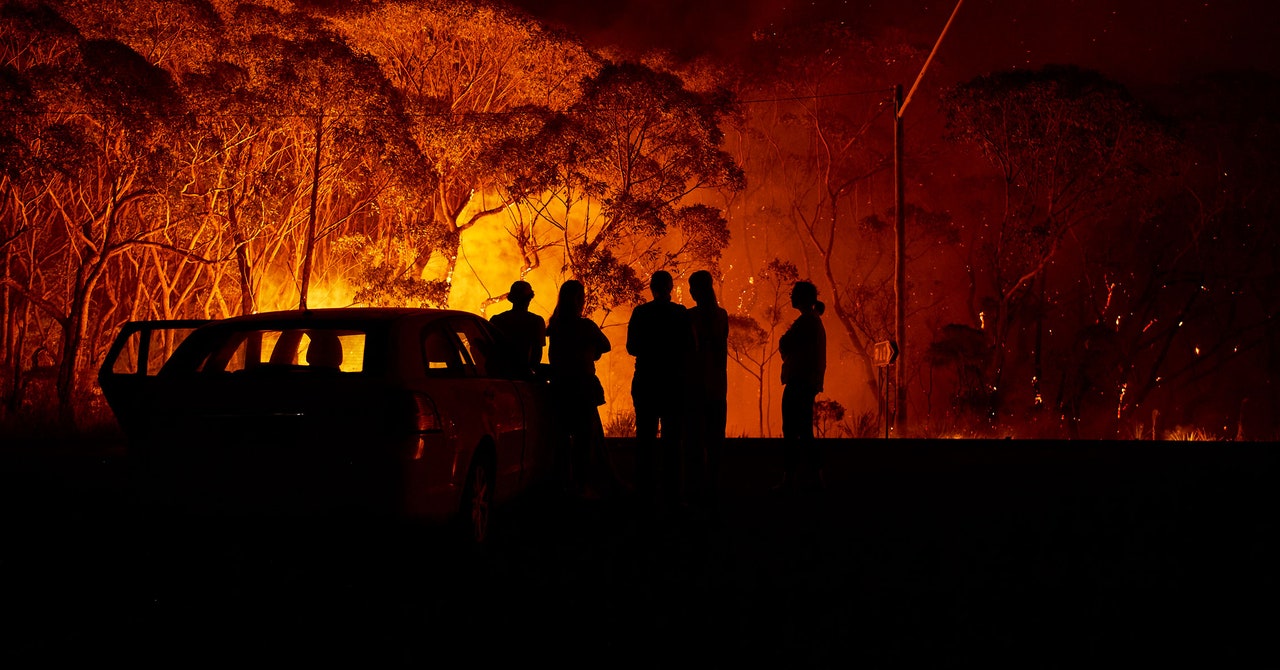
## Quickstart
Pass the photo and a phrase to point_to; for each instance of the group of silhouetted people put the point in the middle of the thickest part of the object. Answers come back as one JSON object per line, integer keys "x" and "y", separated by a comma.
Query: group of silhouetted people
{"x": 679, "y": 389}
{"x": 681, "y": 357}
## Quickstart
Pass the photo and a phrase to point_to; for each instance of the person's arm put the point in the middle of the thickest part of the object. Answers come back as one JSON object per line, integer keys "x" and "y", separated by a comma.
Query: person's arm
{"x": 785, "y": 342}
{"x": 635, "y": 332}
{"x": 535, "y": 355}
{"x": 602, "y": 342}
{"x": 690, "y": 338}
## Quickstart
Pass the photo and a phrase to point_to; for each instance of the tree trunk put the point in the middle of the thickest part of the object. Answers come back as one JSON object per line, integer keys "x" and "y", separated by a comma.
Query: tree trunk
{"x": 310, "y": 247}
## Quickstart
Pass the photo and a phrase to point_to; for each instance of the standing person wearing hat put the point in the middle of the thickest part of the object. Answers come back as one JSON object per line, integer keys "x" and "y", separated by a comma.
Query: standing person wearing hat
{"x": 524, "y": 333}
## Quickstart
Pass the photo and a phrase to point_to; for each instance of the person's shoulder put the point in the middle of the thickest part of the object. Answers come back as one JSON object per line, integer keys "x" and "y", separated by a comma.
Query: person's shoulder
{"x": 647, "y": 311}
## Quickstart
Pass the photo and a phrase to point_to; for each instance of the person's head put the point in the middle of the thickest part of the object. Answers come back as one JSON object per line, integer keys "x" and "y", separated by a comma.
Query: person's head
{"x": 324, "y": 350}
{"x": 804, "y": 295}
{"x": 660, "y": 284}
{"x": 520, "y": 294}
{"x": 571, "y": 301}
{"x": 701, "y": 288}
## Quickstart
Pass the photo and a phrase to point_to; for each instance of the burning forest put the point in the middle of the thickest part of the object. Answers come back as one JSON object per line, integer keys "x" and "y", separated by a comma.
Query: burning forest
{"x": 1082, "y": 260}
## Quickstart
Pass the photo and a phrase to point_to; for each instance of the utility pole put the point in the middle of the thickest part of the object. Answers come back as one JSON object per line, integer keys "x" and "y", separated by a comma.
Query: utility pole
{"x": 899, "y": 267}
{"x": 900, "y": 234}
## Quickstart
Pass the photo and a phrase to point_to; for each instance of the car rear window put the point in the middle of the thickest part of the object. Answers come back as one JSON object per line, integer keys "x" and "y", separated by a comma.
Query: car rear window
{"x": 267, "y": 349}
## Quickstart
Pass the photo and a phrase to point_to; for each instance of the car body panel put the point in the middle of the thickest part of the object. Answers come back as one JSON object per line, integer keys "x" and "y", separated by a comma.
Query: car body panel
{"x": 285, "y": 407}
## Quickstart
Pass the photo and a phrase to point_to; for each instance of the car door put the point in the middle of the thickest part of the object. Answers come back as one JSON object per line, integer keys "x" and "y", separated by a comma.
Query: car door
{"x": 503, "y": 408}
{"x": 128, "y": 375}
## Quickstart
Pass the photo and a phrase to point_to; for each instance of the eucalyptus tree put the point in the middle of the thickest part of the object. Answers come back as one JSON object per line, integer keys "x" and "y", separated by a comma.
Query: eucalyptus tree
{"x": 1070, "y": 148}
{"x": 472, "y": 76}
{"x": 1188, "y": 317}
{"x": 35, "y": 43}
{"x": 95, "y": 146}
{"x": 619, "y": 174}
{"x": 186, "y": 268}
{"x": 820, "y": 135}
{"x": 348, "y": 118}
{"x": 753, "y": 346}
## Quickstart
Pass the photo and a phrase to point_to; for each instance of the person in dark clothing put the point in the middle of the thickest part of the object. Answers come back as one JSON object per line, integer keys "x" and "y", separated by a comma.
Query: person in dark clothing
{"x": 523, "y": 332}
{"x": 575, "y": 343}
{"x": 324, "y": 350}
{"x": 804, "y": 364}
{"x": 660, "y": 337}
{"x": 709, "y": 386}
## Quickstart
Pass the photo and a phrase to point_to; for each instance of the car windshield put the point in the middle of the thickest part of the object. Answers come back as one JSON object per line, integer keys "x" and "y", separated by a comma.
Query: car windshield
{"x": 327, "y": 349}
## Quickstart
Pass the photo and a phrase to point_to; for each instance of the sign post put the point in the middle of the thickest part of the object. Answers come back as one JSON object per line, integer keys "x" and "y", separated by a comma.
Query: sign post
{"x": 884, "y": 354}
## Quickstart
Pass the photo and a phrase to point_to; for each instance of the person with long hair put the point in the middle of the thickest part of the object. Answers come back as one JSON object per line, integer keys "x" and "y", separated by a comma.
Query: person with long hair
{"x": 709, "y": 387}
{"x": 575, "y": 343}
{"x": 804, "y": 365}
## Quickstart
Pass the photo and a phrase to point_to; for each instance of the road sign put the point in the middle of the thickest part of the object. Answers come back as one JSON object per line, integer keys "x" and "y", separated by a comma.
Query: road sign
{"x": 884, "y": 353}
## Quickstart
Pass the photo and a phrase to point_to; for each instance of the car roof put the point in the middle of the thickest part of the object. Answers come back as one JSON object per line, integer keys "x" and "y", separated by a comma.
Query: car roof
{"x": 344, "y": 315}
{"x": 370, "y": 319}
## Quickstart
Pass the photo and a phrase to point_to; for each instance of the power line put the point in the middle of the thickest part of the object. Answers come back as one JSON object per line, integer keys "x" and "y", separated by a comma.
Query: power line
{"x": 816, "y": 96}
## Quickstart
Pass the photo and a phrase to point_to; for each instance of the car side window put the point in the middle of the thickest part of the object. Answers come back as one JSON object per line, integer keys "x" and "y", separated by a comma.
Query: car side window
{"x": 476, "y": 342}
{"x": 229, "y": 356}
{"x": 281, "y": 350}
{"x": 440, "y": 354}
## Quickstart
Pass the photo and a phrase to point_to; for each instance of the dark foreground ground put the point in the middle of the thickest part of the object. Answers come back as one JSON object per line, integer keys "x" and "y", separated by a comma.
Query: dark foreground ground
{"x": 1033, "y": 554}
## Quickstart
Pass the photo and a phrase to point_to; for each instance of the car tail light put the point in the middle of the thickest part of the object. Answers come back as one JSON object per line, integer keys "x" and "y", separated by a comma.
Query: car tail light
{"x": 426, "y": 419}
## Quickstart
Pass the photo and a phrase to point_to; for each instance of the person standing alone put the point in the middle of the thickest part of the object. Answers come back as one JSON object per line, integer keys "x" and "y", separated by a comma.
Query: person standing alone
{"x": 661, "y": 339}
{"x": 804, "y": 365}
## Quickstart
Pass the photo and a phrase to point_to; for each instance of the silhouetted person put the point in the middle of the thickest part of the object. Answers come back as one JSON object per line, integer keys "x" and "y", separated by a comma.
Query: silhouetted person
{"x": 523, "y": 332}
{"x": 575, "y": 344}
{"x": 804, "y": 364}
{"x": 708, "y": 386}
{"x": 324, "y": 351}
{"x": 661, "y": 339}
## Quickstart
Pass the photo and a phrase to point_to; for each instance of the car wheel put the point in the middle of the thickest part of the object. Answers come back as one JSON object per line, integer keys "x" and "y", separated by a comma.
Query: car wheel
{"x": 477, "y": 502}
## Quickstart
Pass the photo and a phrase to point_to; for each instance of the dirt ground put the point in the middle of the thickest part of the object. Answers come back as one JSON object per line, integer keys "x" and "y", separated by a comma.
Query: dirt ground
{"x": 1035, "y": 554}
